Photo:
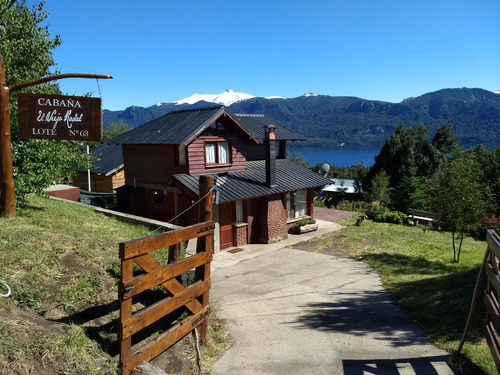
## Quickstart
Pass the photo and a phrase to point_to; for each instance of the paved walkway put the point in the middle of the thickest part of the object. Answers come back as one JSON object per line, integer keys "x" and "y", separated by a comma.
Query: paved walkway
{"x": 297, "y": 312}
{"x": 327, "y": 214}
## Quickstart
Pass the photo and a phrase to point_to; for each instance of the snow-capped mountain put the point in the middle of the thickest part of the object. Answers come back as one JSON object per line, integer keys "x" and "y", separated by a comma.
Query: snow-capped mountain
{"x": 226, "y": 98}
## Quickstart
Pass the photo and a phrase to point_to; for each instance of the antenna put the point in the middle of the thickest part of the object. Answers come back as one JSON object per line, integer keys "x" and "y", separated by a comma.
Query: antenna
{"x": 324, "y": 169}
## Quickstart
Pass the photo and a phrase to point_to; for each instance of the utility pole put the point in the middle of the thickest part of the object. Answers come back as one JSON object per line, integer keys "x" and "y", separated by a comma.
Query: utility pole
{"x": 6, "y": 173}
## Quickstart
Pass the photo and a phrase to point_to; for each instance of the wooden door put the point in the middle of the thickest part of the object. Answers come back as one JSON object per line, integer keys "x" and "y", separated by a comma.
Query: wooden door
{"x": 226, "y": 219}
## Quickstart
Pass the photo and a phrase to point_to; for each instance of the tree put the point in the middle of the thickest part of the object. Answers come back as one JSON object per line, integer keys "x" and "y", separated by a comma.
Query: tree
{"x": 410, "y": 159}
{"x": 410, "y": 193}
{"x": 27, "y": 49}
{"x": 379, "y": 190}
{"x": 115, "y": 129}
{"x": 456, "y": 197}
{"x": 298, "y": 158}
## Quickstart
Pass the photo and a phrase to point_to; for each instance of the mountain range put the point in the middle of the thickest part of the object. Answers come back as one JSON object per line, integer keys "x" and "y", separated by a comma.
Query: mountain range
{"x": 342, "y": 120}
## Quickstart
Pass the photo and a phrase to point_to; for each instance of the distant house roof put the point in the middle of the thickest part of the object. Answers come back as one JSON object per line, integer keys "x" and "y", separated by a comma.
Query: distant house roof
{"x": 256, "y": 123}
{"x": 109, "y": 159}
{"x": 338, "y": 185}
{"x": 177, "y": 127}
{"x": 251, "y": 182}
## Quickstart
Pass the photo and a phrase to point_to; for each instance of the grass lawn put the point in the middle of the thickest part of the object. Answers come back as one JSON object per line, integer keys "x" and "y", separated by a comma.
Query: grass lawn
{"x": 416, "y": 266}
{"x": 61, "y": 262}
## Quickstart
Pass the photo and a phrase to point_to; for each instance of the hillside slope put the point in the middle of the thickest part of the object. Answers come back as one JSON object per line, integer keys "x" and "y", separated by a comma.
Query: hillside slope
{"x": 328, "y": 121}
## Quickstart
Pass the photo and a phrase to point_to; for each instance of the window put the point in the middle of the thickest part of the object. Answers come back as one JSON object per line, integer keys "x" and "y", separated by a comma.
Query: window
{"x": 289, "y": 206}
{"x": 181, "y": 155}
{"x": 239, "y": 212}
{"x": 300, "y": 203}
{"x": 210, "y": 152}
{"x": 217, "y": 153}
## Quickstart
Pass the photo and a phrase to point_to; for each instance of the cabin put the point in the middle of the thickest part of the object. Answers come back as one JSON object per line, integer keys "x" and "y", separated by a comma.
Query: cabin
{"x": 261, "y": 192}
{"x": 106, "y": 172}
{"x": 341, "y": 189}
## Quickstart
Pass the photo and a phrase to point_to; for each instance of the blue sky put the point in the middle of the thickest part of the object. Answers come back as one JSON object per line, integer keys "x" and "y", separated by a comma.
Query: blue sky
{"x": 167, "y": 50}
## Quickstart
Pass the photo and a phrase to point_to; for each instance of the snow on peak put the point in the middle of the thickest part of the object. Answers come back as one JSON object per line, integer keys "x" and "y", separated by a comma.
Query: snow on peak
{"x": 274, "y": 97}
{"x": 496, "y": 92}
{"x": 310, "y": 94}
{"x": 226, "y": 98}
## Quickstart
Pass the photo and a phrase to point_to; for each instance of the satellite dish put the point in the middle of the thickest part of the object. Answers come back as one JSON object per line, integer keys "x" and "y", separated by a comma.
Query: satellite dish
{"x": 324, "y": 169}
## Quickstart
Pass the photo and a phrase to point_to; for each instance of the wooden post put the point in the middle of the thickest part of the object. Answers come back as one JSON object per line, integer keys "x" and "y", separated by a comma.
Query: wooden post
{"x": 6, "y": 173}
{"x": 206, "y": 184}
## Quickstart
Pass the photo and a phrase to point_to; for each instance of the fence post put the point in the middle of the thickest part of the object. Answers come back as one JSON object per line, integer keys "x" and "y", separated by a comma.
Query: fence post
{"x": 205, "y": 243}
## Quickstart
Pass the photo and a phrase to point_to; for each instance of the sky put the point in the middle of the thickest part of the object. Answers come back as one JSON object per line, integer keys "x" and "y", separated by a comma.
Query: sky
{"x": 163, "y": 51}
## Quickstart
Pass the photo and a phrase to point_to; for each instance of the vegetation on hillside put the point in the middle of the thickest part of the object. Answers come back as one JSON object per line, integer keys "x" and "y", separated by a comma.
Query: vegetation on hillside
{"x": 61, "y": 262}
{"x": 331, "y": 121}
{"x": 416, "y": 266}
{"x": 27, "y": 49}
{"x": 437, "y": 175}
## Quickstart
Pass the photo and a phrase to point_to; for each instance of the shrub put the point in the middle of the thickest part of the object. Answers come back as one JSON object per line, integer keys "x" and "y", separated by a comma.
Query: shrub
{"x": 304, "y": 221}
{"x": 354, "y": 206}
{"x": 319, "y": 203}
{"x": 490, "y": 221}
{"x": 394, "y": 217}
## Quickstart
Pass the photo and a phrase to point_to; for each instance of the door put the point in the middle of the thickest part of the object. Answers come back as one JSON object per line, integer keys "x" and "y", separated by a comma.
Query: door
{"x": 226, "y": 218}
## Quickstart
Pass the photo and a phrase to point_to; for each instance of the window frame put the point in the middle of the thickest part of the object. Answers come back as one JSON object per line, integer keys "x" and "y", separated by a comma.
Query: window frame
{"x": 217, "y": 143}
{"x": 290, "y": 205}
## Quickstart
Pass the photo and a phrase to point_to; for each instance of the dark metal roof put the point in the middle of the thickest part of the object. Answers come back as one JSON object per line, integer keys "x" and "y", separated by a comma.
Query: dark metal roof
{"x": 177, "y": 127}
{"x": 255, "y": 124}
{"x": 251, "y": 182}
{"x": 109, "y": 157}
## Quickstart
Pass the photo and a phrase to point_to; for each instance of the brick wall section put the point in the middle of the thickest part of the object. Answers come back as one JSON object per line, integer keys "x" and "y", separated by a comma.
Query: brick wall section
{"x": 241, "y": 235}
{"x": 277, "y": 228}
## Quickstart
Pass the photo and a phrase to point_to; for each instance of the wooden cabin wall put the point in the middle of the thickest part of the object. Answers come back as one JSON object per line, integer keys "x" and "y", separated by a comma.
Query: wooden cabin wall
{"x": 196, "y": 159}
{"x": 150, "y": 164}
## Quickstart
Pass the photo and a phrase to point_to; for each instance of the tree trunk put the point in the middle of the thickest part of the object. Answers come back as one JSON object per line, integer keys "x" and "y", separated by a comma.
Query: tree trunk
{"x": 460, "y": 245}
{"x": 454, "y": 251}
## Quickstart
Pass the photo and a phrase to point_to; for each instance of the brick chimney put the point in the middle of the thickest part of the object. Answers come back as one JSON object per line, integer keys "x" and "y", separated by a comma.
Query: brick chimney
{"x": 270, "y": 144}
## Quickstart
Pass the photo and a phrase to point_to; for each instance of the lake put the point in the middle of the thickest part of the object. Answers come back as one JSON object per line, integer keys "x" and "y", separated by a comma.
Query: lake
{"x": 345, "y": 156}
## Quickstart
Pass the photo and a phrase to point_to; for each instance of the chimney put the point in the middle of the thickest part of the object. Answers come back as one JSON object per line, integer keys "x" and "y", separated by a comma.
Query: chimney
{"x": 270, "y": 144}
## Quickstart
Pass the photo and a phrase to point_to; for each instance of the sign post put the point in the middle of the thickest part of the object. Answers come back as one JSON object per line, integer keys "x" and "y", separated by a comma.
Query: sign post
{"x": 45, "y": 121}
{"x": 6, "y": 173}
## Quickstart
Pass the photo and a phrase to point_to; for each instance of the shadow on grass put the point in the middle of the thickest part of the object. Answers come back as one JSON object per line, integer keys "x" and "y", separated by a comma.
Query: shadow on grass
{"x": 439, "y": 300}
{"x": 102, "y": 330}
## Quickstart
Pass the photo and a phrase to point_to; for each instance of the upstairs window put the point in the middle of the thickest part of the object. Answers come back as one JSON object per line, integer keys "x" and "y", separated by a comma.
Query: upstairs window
{"x": 181, "y": 155}
{"x": 217, "y": 153}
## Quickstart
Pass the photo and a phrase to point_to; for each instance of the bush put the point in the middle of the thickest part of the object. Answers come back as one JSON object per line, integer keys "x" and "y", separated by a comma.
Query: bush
{"x": 394, "y": 217}
{"x": 304, "y": 221}
{"x": 319, "y": 203}
{"x": 354, "y": 206}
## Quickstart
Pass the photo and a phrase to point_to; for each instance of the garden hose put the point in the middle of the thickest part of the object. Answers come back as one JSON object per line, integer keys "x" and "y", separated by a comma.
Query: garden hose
{"x": 6, "y": 287}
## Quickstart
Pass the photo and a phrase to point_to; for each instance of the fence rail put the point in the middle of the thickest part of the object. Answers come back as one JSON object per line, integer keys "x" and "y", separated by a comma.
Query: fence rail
{"x": 491, "y": 296}
{"x": 193, "y": 298}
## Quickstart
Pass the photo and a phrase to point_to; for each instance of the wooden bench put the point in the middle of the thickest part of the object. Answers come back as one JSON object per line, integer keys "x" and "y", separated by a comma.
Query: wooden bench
{"x": 417, "y": 216}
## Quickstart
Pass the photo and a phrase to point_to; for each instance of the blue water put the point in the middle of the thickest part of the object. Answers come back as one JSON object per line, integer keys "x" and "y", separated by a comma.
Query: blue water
{"x": 345, "y": 156}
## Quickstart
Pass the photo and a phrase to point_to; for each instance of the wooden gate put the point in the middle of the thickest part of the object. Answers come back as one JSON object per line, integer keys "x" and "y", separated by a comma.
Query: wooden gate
{"x": 491, "y": 296}
{"x": 194, "y": 298}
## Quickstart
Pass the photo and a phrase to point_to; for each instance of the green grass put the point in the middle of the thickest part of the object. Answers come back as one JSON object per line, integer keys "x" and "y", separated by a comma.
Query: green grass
{"x": 61, "y": 261}
{"x": 416, "y": 266}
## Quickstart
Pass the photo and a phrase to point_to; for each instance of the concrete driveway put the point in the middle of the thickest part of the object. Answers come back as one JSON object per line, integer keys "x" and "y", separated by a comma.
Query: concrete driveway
{"x": 290, "y": 311}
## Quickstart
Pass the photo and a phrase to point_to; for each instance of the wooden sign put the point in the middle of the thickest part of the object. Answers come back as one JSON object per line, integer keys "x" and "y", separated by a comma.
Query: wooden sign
{"x": 59, "y": 117}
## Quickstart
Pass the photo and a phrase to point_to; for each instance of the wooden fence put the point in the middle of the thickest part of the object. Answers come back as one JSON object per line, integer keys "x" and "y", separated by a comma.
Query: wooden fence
{"x": 491, "y": 296}
{"x": 193, "y": 299}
